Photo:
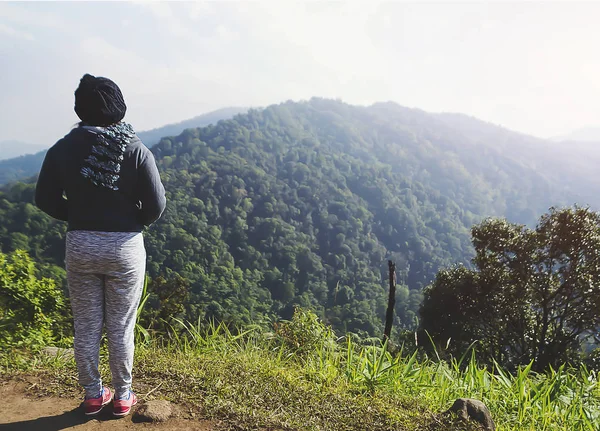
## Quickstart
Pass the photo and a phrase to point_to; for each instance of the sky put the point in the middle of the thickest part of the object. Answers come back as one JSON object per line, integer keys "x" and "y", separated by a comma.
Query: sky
{"x": 528, "y": 66}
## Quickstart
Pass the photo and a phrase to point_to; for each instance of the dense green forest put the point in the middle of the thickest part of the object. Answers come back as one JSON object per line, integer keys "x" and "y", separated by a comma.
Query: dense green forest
{"x": 302, "y": 204}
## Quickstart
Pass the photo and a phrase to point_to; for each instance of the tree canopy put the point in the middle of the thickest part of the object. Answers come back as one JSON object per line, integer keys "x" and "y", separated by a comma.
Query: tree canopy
{"x": 533, "y": 294}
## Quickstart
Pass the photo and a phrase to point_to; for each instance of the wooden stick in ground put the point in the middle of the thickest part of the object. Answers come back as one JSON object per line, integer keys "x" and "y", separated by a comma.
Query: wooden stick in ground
{"x": 389, "y": 315}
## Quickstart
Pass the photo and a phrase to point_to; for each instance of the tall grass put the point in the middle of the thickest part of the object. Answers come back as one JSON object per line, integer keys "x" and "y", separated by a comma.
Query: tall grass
{"x": 562, "y": 399}
{"x": 300, "y": 376}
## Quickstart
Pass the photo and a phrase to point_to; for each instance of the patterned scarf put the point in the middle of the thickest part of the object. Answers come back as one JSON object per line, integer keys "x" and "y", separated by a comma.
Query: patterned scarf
{"x": 103, "y": 165}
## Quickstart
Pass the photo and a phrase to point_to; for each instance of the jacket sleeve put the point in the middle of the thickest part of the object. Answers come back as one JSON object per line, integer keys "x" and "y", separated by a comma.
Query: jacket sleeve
{"x": 151, "y": 191}
{"x": 49, "y": 189}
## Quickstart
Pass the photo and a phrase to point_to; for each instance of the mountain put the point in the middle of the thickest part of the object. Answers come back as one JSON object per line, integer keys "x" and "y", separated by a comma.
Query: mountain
{"x": 151, "y": 137}
{"x": 22, "y": 167}
{"x": 304, "y": 203}
{"x": 585, "y": 134}
{"x": 570, "y": 166}
{"x": 11, "y": 149}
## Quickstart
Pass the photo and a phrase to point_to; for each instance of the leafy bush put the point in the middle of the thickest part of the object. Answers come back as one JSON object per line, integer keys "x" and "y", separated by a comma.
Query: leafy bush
{"x": 305, "y": 333}
{"x": 31, "y": 308}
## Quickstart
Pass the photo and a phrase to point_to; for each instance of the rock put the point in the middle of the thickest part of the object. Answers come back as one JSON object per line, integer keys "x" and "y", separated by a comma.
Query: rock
{"x": 153, "y": 411}
{"x": 470, "y": 409}
{"x": 58, "y": 352}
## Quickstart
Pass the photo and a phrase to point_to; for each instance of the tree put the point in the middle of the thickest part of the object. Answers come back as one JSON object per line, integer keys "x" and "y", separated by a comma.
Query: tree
{"x": 168, "y": 298}
{"x": 533, "y": 295}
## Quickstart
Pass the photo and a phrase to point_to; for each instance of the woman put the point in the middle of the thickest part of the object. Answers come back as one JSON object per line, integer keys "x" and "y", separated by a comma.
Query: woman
{"x": 104, "y": 182}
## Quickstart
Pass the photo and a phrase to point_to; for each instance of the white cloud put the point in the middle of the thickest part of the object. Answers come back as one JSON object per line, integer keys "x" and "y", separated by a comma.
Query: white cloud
{"x": 198, "y": 9}
{"x": 166, "y": 17}
{"x": 334, "y": 37}
{"x": 9, "y": 31}
{"x": 226, "y": 34}
{"x": 27, "y": 14}
{"x": 182, "y": 20}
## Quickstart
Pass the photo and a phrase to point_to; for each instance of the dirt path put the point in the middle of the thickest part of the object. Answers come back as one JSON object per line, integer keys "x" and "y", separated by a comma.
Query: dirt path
{"x": 20, "y": 411}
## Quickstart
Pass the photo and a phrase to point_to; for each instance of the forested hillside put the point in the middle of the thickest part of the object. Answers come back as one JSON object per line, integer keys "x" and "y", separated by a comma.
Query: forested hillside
{"x": 21, "y": 168}
{"x": 303, "y": 203}
{"x": 570, "y": 165}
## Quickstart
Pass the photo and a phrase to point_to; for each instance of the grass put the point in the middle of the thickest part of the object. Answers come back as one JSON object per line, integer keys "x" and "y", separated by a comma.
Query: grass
{"x": 301, "y": 378}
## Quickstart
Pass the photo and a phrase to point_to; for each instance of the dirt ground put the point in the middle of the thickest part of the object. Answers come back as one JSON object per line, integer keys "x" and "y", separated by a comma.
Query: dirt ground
{"x": 21, "y": 410}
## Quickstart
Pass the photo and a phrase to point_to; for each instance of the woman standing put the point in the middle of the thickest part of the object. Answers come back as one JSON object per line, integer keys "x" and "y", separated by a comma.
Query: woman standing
{"x": 104, "y": 182}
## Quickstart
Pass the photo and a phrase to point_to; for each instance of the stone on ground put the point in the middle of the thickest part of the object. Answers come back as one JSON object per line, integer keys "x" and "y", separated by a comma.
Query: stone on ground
{"x": 470, "y": 409}
{"x": 153, "y": 411}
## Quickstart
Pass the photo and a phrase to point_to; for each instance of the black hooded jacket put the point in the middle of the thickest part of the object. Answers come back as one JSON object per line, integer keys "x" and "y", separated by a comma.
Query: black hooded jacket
{"x": 65, "y": 194}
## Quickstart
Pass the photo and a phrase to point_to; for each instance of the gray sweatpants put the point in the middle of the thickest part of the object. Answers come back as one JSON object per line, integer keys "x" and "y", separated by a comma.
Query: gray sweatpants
{"x": 105, "y": 274}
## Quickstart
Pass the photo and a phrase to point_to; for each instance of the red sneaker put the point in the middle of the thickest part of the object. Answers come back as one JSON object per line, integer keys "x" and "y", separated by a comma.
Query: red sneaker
{"x": 93, "y": 406}
{"x": 123, "y": 407}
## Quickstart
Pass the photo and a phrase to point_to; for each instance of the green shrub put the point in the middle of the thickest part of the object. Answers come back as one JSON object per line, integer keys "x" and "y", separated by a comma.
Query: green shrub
{"x": 31, "y": 308}
{"x": 305, "y": 333}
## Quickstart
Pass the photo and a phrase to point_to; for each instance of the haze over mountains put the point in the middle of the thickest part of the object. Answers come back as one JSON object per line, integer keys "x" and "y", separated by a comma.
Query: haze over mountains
{"x": 23, "y": 164}
{"x": 11, "y": 149}
{"x": 570, "y": 165}
{"x": 152, "y": 137}
{"x": 302, "y": 203}
{"x": 573, "y": 157}
{"x": 585, "y": 134}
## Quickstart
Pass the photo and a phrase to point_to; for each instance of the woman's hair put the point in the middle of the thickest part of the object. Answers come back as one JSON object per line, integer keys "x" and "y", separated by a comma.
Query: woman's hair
{"x": 99, "y": 101}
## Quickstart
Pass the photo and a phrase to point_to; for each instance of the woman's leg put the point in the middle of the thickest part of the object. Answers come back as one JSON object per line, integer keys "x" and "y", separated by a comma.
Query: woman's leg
{"x": 86, "y": 292}
{"x": 123, "y": 289}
